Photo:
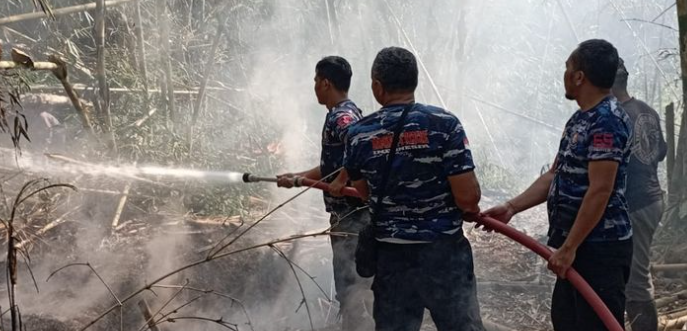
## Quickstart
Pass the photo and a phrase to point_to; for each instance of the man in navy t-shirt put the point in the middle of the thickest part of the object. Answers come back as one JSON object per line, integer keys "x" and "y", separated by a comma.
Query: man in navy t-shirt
{"x": 424, "y": 261}
{"x": 585, "y": 193}
{"x": 348, "y": 215}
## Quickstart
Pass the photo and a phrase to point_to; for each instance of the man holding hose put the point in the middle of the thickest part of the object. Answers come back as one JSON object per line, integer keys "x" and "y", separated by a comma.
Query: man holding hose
{"x": 348, "y": 215}
{"x": 589, "y": 225}
{"x": 413, "y": 163}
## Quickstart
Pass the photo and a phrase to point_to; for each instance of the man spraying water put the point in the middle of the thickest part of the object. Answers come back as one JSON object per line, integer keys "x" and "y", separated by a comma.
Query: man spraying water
{"x": 348, "y": 215}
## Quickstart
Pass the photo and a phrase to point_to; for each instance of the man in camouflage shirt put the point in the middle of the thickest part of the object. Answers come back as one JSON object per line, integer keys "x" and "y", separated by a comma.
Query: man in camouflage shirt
{"x": 348, "y": 215}
{"x": 589, "y": 225}
{"x": 423, "y": 261}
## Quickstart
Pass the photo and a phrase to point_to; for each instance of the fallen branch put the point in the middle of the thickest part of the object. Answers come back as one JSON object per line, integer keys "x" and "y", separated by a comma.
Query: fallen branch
{"x": 234, "y": 300}
{"x": 197, "y": 263}
{"x": 218, "y": 321}
{"x": 87, "y": 264}
{"x": 60, "y": 220}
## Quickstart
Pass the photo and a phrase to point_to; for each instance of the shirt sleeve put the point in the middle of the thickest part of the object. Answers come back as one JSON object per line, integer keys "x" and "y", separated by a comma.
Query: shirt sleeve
{"x": 351, "y": 158}
{"x": 340, "y": 124}
{"x": 608, "y": 139}
{"x": 457, "y": 157}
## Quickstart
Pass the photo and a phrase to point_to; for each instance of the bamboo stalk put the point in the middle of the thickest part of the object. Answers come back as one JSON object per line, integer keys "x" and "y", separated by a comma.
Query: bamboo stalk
{"x": 120, "y": 206}
{"x": 103, "y": 92}
{"x": 662, "y": 302}
{"x": 8, "y": 65}
{"x": 190, "y": 91}
{"x": 209, "y": 68}
{"x": 58, "y": 12}
{"x": 672, "y": 324}
{"x": 670, "y": 140}
{"x": 78, "y": 64}
{"x": 669, "y": 267}
{"x": 141, "y": 53}
{"x": 61, "y": 74}
{"x": 163, "y": 21}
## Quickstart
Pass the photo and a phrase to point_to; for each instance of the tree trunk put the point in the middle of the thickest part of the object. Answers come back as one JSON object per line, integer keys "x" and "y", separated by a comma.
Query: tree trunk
{"x": 679, "y": 173}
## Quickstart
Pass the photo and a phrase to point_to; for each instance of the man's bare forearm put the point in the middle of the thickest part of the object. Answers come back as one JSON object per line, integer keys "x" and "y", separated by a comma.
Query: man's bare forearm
{"x": 466, "y": 192}
{"x": 533, "y": 195}
{"x": 314, "y": 173}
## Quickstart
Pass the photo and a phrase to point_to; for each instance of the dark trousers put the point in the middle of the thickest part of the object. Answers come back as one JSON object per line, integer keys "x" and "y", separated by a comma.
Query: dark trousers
{"x": 606, "y": 267}
{"x": 352, "y": 291}
{"x": 438, "y": 276}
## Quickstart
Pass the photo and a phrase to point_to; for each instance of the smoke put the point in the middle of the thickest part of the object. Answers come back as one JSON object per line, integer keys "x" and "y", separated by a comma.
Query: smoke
{"x": 497, "y": 65}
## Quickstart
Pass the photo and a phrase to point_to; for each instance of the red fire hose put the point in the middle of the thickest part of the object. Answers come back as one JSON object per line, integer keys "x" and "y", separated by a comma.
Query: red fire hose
{"x": 575, "y": 279}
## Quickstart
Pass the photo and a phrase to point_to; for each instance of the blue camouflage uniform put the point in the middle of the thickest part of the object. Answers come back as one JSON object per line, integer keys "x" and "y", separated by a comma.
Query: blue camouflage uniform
{"x": 601, "y": 133}
{"x": 603, "y": 259}
{"x": 423, "y": 261}
{"x": 339, "y": 119}
{"x": 419, "y": 206}
{"x": 347, "y": 216}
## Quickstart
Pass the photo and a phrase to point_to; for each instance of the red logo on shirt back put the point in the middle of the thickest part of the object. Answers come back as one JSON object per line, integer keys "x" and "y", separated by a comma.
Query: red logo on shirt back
{"x": 408, "y": 138}
{"x": 602, "y": 140}
{"x": 344, "y": 120}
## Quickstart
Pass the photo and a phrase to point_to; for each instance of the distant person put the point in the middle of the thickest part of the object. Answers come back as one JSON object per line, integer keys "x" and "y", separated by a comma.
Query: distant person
{"x": 348, "y": 215}
{"x": 645, "y": 201}
{"x": 423, "y": 259}
{"x": 589, "y": 225}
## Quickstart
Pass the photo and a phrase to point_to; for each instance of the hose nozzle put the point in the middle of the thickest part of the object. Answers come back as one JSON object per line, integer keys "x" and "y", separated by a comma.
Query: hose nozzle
{"x": 249, "y": 178}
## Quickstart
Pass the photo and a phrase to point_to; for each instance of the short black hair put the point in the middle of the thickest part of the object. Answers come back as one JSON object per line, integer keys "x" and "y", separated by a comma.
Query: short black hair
{"x": 621, "y": 75}
{"x": 396, "y": 69}
{"x": 337, "y": 70}
{"x": 598, "y": 59}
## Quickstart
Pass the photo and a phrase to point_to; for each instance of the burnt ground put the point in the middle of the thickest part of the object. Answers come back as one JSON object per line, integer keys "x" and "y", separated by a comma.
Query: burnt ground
{"x": 514, "y": 285}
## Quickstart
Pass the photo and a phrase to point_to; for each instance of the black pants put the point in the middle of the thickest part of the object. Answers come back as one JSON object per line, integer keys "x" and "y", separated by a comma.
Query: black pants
{"x": 352, "y": 291}
{"x": 606, "y": 267}
{"x": 438, "y": 276}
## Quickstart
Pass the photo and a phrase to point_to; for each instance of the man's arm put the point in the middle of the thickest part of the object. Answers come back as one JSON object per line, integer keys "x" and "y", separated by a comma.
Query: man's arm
{"x": 363, "y": 189}
{"x": 337, "y": 185}
{"x": 466, "y": 191}
{"x": 314, "y": 173}
{"x": 602, "y": 176}
{"x": 287, "y": 180}
{"x": 535, "y": 194}
{"x": 532, "y": 196}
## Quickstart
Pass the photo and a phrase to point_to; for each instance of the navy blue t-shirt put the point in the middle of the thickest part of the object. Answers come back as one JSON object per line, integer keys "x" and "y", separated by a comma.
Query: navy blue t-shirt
{"x": 601, "y": 133}
{"x": 418, "y": 204}
{"x": 339, "y": 119}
